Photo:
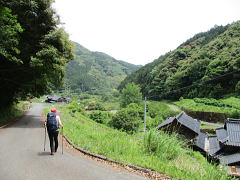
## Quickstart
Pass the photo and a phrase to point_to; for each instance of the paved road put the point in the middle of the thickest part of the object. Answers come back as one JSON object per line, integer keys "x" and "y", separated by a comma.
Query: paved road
{"x": 212, "y": 124}
{"x": 22, "y": 156}
{"x": 173, "y": 107}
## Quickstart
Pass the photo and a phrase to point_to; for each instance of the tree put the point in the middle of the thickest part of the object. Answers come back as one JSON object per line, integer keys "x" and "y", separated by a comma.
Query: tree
{"x": 10, "y": 30}
{"x": 131, "y": 94}
{"x": 128, "y": 119}
{"x": 34, "y": 63}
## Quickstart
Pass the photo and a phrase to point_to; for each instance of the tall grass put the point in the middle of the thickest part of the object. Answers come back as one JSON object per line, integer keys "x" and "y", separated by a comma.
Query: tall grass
{"x": 154, "y": 150}
{"x": 163, "y": 145}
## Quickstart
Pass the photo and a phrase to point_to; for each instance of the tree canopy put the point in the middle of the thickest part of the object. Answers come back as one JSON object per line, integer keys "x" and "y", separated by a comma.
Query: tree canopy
{"x": 206, "y": 65}
{"x": 33, "y": 49}
{"x": 130, "y": 94}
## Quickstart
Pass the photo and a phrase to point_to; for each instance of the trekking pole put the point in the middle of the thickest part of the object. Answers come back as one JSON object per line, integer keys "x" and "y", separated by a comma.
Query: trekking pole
{"x": 45, "y": 138}
{"x": 62, "y": 140}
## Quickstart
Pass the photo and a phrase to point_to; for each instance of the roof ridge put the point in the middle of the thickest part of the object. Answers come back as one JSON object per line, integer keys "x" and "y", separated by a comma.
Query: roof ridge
{"x": 233, "y": 120}
{"x": 179, "y": 115}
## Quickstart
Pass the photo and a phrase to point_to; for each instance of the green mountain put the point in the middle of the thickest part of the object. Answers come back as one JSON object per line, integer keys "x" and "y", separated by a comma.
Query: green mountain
{"x": 96, "y": 71}
{"x": 207, "y": 65}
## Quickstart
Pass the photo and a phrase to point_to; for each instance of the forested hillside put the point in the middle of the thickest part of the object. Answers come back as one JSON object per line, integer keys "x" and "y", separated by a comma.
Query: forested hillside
{"x": 95, "y": 70}
{"x": 206, "y": 65}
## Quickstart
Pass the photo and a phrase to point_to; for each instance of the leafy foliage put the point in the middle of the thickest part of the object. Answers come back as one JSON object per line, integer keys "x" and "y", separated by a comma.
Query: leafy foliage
{"x": 91, "y": 71}
{"x": 157, "y": 112}
{"x": 102, "y": 117}
{"x": 130, "y": 94}
{"x": 33, "y": 50}
{"x": 10, "y": 30}
{"x": 206, "y": 65}
{"x": 75, "y": 106}
{"x": 128, "y": 119}
{"x": 95, "y": 105}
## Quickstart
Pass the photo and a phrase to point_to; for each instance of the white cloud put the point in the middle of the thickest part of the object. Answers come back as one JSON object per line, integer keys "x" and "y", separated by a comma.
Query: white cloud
{"x": 139, "y": 31}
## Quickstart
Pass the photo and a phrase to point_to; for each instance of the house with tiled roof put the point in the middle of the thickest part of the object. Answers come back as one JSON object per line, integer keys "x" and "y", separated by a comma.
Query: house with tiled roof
{"x": 229, "y": 140}
{"x": 224, "y": 147}
{"x": 182, "y": 124}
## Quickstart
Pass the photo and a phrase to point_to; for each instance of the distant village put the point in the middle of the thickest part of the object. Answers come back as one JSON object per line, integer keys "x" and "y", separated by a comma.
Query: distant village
{"x": 223, "y": 148}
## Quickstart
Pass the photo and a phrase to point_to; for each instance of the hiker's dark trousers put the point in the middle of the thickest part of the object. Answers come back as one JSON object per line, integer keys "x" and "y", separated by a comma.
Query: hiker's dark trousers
{"x": 53, "y": 138}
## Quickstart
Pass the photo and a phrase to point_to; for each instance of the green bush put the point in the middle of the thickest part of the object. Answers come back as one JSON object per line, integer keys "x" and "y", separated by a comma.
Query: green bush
{"x": 84, "y": 96}
{"x": 130, "y": 94}
{"x": 106, "y": 97}
{"x": 95, "y": 106}
{"x": 102, "y": 117}
{"x": 128, "y": 119}
{"x": 153, "y": 123}
{"x": 76, "y": 106}
{"x": 159, "y": 111}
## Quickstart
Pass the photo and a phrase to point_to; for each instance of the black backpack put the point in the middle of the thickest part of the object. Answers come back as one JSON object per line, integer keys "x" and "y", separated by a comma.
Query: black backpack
{"x": 52, "y": 122}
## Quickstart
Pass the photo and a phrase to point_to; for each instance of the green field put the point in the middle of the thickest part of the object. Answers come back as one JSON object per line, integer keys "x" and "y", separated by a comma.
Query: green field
{"x": 154, "y": 150}
{"x": 229, "y": 106}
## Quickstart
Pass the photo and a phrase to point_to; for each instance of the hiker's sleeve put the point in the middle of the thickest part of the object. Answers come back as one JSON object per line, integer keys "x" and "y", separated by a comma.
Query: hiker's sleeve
{"x": 59, "y": 121}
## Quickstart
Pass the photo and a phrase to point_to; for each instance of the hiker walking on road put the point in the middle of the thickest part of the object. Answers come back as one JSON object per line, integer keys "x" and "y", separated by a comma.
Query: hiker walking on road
{"x": 52, "y": 123}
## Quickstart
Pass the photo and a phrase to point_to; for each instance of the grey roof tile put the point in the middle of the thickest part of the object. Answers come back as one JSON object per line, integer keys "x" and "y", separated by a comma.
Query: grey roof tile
{"x": 189, "y": 122}
{"x": 200, "y": 140}
{"x": 214, "y": 145}
{"x": 184, "y": 120}
{"x": 230, "y": 134}
{"x": 166, "y": 122}
{"x": 222, "y": 135}
{"x": 229, "y": 159}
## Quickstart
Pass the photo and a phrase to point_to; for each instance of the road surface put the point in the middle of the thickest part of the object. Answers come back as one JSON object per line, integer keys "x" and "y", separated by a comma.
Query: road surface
{"x": 22, "y": 156}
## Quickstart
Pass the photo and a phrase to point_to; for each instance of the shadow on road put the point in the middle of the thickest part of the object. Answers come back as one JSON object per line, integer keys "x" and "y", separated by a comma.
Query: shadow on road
{"x": 28, "y": 121}
{"x": 44, "y": 153}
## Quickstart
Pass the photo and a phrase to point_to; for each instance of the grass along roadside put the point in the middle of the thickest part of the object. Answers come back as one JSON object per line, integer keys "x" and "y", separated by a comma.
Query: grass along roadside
{"x": 8, "y": 114}
{"x": 157, "y": 151}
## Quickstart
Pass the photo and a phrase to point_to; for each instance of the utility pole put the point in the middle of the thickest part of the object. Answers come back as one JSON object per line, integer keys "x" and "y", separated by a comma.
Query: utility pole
{"x": 145, "y": 113}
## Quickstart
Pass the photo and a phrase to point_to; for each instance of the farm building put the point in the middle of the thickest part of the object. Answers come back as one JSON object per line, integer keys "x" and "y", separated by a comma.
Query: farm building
{"x": 182, "y": 124}
{"x": 229, "y": 140}
{"x": 55, "y": 98}
{"x": 224, "y": 147}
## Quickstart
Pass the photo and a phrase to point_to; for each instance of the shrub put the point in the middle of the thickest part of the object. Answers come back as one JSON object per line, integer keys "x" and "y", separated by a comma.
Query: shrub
{"x": 159, "y": 111}
{"x": 84, "y": 96}
{"x": 75, "y": 106}
{"x": 95, "y": 106}
{"x": 102, "y": 117}
{"x": 106, "y": 97}
{"x": 128, "y": 119}
{"x": 234, "y": 114}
